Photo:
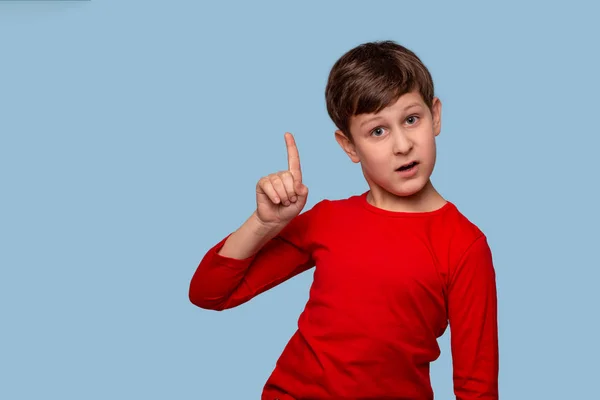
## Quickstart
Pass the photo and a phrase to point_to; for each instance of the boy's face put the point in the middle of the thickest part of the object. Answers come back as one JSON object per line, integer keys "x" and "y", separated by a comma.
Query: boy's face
{"x": 399, "y": 134}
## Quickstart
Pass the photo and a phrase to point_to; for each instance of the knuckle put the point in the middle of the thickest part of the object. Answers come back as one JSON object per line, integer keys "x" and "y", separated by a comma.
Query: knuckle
{"x": 276, "y": 181}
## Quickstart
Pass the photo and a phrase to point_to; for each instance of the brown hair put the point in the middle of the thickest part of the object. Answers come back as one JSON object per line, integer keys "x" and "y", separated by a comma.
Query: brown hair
{"x": 372, "y": 76}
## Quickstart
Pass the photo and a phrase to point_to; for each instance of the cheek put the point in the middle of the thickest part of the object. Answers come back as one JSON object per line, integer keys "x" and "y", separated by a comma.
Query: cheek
{"x": 431, "y": 152}
{"x": 430, "y": 145}
{"x": 368, "y": 156}
{"x": 375, "y": 163}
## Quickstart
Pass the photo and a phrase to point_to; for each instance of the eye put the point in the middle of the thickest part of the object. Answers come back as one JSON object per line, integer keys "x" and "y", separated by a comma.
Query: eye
{"x": 377, "y": 132}
{"x": 412, "y": 117}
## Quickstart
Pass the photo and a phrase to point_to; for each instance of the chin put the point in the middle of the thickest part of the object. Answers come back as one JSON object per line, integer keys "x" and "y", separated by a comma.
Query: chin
{"x": 406, "y": 193}
{"x": 401, "y": 193}
{"x": 409, "y": 189}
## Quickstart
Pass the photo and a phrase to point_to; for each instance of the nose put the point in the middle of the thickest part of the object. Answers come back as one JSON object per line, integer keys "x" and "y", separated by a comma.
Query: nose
{"x": 402, "y": 143}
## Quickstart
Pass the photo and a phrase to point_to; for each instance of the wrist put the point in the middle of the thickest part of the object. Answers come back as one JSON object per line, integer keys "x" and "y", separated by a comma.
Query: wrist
{"x": 262, "y": 228}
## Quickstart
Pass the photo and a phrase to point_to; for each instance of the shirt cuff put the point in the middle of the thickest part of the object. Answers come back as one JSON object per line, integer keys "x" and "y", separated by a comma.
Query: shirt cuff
{"x": 228, "y": 262}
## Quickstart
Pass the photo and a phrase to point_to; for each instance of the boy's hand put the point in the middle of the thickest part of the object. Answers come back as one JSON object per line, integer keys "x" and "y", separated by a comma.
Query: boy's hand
{"x": 281, "y": 196}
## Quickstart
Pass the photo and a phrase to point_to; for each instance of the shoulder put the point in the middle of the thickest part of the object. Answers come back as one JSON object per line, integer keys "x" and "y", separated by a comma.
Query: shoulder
{"x": 465, "y": 237}
{"x": 462, "y": 228}
{"x": 340, "y": 205}
{"x": 326, "y": 207}
{"x": 460, "y": 232}
{"x": 313, "y": 222}
{"x": 324, "y": 214}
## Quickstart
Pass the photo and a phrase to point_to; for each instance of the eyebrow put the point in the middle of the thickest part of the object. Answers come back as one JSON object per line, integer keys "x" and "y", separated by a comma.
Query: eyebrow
{"x": 378, "y": 117}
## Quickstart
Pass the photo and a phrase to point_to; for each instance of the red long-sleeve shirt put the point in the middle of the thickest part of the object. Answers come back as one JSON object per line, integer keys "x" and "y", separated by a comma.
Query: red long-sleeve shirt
{"x": 386, "y": 286}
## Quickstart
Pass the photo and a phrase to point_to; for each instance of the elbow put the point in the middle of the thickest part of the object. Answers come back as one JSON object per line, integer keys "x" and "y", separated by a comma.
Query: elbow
{"x": 200, "y": 300}
{"x": 197, "y": 300}
{"x": 206, "y": 304}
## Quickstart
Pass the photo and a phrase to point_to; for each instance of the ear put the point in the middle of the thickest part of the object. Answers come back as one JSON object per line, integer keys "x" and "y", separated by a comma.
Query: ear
{"x": 347, "y": 146}
{"x": 436, "y": 114}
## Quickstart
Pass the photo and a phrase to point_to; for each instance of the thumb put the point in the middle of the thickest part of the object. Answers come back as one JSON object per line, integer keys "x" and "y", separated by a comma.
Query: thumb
{"x": 301, "y": 189}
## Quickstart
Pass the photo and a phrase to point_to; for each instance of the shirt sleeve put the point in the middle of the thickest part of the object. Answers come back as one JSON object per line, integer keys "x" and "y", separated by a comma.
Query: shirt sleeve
{"x": 221, "y": 282}
{"x": 472, "y": 316}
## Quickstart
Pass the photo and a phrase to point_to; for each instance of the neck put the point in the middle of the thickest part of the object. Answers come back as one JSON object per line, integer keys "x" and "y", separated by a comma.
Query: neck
{"x": 425, "y": 200}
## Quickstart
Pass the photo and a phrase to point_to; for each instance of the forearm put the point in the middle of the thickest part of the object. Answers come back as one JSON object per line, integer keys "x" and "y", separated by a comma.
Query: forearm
{"x": 258, "y": 255}
{"x": 248, "y": 239}
{"x": 472, "y": 312}
{"x": 249, "y": 261}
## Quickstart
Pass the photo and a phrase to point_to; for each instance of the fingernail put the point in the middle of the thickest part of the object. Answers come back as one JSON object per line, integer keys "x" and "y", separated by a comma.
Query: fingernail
{"x": 287, "y": 203}
{"x": 294, "y": 198}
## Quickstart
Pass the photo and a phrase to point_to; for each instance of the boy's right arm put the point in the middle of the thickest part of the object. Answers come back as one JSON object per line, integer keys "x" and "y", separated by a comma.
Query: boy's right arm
{"x": 258, "y": 255}
{"x": 248, "y": 239}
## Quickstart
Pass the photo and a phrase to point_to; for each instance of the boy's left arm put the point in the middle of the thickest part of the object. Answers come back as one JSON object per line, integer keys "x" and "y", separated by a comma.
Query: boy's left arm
{"x": 473, "y": 320}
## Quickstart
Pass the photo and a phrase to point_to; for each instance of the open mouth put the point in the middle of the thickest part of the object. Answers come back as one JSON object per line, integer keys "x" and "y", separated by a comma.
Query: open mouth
{"x": 407, "y": 166}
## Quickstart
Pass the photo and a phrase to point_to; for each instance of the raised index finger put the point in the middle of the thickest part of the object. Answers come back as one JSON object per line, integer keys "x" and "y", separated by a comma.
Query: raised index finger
{"x": 293, "y": 157}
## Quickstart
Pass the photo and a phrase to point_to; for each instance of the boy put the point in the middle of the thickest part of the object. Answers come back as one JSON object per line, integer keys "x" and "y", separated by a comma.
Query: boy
{"x": 394, "y": 266}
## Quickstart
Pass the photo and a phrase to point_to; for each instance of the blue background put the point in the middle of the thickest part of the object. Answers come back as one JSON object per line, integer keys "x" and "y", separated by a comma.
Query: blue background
{"x": 133, "y": 134}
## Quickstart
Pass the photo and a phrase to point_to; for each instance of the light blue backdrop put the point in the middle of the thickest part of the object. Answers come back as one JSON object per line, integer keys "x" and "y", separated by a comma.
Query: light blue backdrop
{"x": 133, "y": 134}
